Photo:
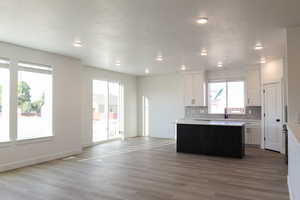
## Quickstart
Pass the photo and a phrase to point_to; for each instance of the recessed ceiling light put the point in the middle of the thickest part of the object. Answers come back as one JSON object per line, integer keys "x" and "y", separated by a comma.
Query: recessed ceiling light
{"x": 77, "y": 43}
{"x": 258, "y": 46}
{"x": 204, "y": 52}
{"x": 159, "y": 58}
{"x": 220, "y": 64}
{"x": 183, "y": 67}
{"x": 147, "y": 71}
{"x": 202, "y": 20}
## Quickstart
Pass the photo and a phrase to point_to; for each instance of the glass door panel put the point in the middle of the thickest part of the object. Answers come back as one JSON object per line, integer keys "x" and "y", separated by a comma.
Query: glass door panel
{"x": 100, "y": 110}
{"x": 114, "y": 110}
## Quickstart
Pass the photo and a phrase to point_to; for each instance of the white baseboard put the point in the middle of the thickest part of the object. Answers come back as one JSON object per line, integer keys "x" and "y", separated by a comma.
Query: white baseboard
{"x": 37, "y": 160}
{"x": 90, "y": 144}
{"x": 290, "y": 188}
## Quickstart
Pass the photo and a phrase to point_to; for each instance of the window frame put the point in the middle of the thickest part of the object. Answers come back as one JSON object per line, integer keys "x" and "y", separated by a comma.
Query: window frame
{"x": 121, "y": 108}
{"x": 5, "y": 64}
{"x": 22, "y": 66}
{"x": 227, "y": 81}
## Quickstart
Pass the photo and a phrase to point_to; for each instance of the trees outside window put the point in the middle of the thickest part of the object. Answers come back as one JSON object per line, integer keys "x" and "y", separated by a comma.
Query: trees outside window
{"x": 34, "y": 104}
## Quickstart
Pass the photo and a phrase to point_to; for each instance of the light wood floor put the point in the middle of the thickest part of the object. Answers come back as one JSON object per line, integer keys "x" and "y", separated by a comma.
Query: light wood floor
{"x": 142, "y": 168}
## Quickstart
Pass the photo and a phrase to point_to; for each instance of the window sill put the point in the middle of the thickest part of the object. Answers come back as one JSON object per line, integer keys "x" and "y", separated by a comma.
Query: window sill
{"x": 5, "y": 144}
{"x": 228, "y": 113}
{"x": 34, "y": 140}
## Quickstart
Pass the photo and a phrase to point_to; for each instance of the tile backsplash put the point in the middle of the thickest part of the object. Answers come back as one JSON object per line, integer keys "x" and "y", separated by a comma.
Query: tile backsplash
{"x": 252, "y": 112}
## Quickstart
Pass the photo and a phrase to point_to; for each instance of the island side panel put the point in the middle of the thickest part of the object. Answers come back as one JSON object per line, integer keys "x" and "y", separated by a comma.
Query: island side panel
{"x": 211, "y": 140}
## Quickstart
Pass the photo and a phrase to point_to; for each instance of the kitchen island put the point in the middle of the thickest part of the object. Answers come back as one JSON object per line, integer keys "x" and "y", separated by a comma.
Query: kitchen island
{"x": 218, "y": 138}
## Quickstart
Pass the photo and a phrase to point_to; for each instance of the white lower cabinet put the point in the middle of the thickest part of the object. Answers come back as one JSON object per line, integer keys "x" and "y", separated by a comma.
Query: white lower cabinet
{"x": 253, "y": 133}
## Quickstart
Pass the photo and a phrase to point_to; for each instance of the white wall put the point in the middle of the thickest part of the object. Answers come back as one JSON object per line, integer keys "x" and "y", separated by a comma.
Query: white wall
{"x": 166, "y": 99}
{"x": 294, "y": 163}
{"x": 293, "y": 59}
{"x": 165, "y": 94}
{"x": 293, "y": 73}
{"x": 72, "y": 107}
{"x": 130, "y": 97}
{"x": 227, "y": 74}
{"x": 66, "y": 109}
{"x": 272, "y": 71}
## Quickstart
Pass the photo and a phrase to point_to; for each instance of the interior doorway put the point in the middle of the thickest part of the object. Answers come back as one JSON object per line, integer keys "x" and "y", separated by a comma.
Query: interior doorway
{"x": 272, "y": 116}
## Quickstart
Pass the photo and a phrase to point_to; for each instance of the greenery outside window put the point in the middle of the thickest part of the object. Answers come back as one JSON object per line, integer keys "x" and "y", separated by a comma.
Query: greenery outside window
{"x": 34, "y": 101}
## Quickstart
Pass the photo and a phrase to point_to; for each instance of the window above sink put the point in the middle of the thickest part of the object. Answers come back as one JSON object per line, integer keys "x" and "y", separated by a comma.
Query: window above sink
{"x": 229, "y": 95}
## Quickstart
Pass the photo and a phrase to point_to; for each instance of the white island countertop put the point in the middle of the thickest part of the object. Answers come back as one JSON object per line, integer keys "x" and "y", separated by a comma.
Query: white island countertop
{"x": 210, "y": 122}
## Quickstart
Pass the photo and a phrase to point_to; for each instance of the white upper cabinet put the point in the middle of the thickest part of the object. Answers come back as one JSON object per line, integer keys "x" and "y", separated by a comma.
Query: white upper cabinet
{"x": 194, "y": 89}
{"x": 253, "y": 88}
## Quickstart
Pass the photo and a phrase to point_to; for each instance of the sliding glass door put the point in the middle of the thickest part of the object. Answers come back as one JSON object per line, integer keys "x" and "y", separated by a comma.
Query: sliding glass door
{"x": 113, "y": 109}
{"x": 107, "y": 110}
{"x": 100, "y": 110}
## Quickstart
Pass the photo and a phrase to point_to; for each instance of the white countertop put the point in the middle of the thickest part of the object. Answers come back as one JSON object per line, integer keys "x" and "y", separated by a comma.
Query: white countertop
{"x": 211, "y": 122}
{"x": 230, "y": 119}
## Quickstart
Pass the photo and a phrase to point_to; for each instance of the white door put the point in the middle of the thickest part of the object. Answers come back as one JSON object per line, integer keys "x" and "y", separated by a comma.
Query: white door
{"x": 273, "y": 116}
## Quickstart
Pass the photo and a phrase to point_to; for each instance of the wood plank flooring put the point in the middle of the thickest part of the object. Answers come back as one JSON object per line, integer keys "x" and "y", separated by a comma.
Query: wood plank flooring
{"x": 144, "y": 168}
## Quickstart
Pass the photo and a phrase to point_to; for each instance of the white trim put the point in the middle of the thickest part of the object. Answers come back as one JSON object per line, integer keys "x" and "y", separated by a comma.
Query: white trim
{"x": 103, "y": 142}
{"x": 262, "y": 99}
{"x": 4, "y": 61}
{"x": 24, "y": 69}
{"x": 282, "y": 150}
{"x": 29, "y": 65}
{"x": 6, "y": 144}
{"x": 228, "y": 81}
{"x": 290, "y": 189}
{"x": 121, "y": 104}
{"x": 37, "y": 160}
{"x": 15, "y": 110}
{"x": 5, "y": 66}
{"x": 106, "y": 141}
{"x": 34, "y": 140}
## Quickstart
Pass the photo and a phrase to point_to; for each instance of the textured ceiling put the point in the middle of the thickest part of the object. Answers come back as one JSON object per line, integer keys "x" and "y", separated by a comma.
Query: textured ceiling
{"x": 136, "y": 31}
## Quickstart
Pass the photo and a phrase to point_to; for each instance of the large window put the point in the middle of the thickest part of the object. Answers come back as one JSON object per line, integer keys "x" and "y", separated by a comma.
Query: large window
{"x": 229, "y": 95}
{"x": 107, "y": 110}
{"x": 34, "y": 101}
{"x": 4, "y": 101}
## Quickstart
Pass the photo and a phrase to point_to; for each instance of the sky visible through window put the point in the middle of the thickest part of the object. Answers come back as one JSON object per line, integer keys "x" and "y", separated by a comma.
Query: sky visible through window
{"x": 34, "y": 105}
{"x": 230, "y": 95}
